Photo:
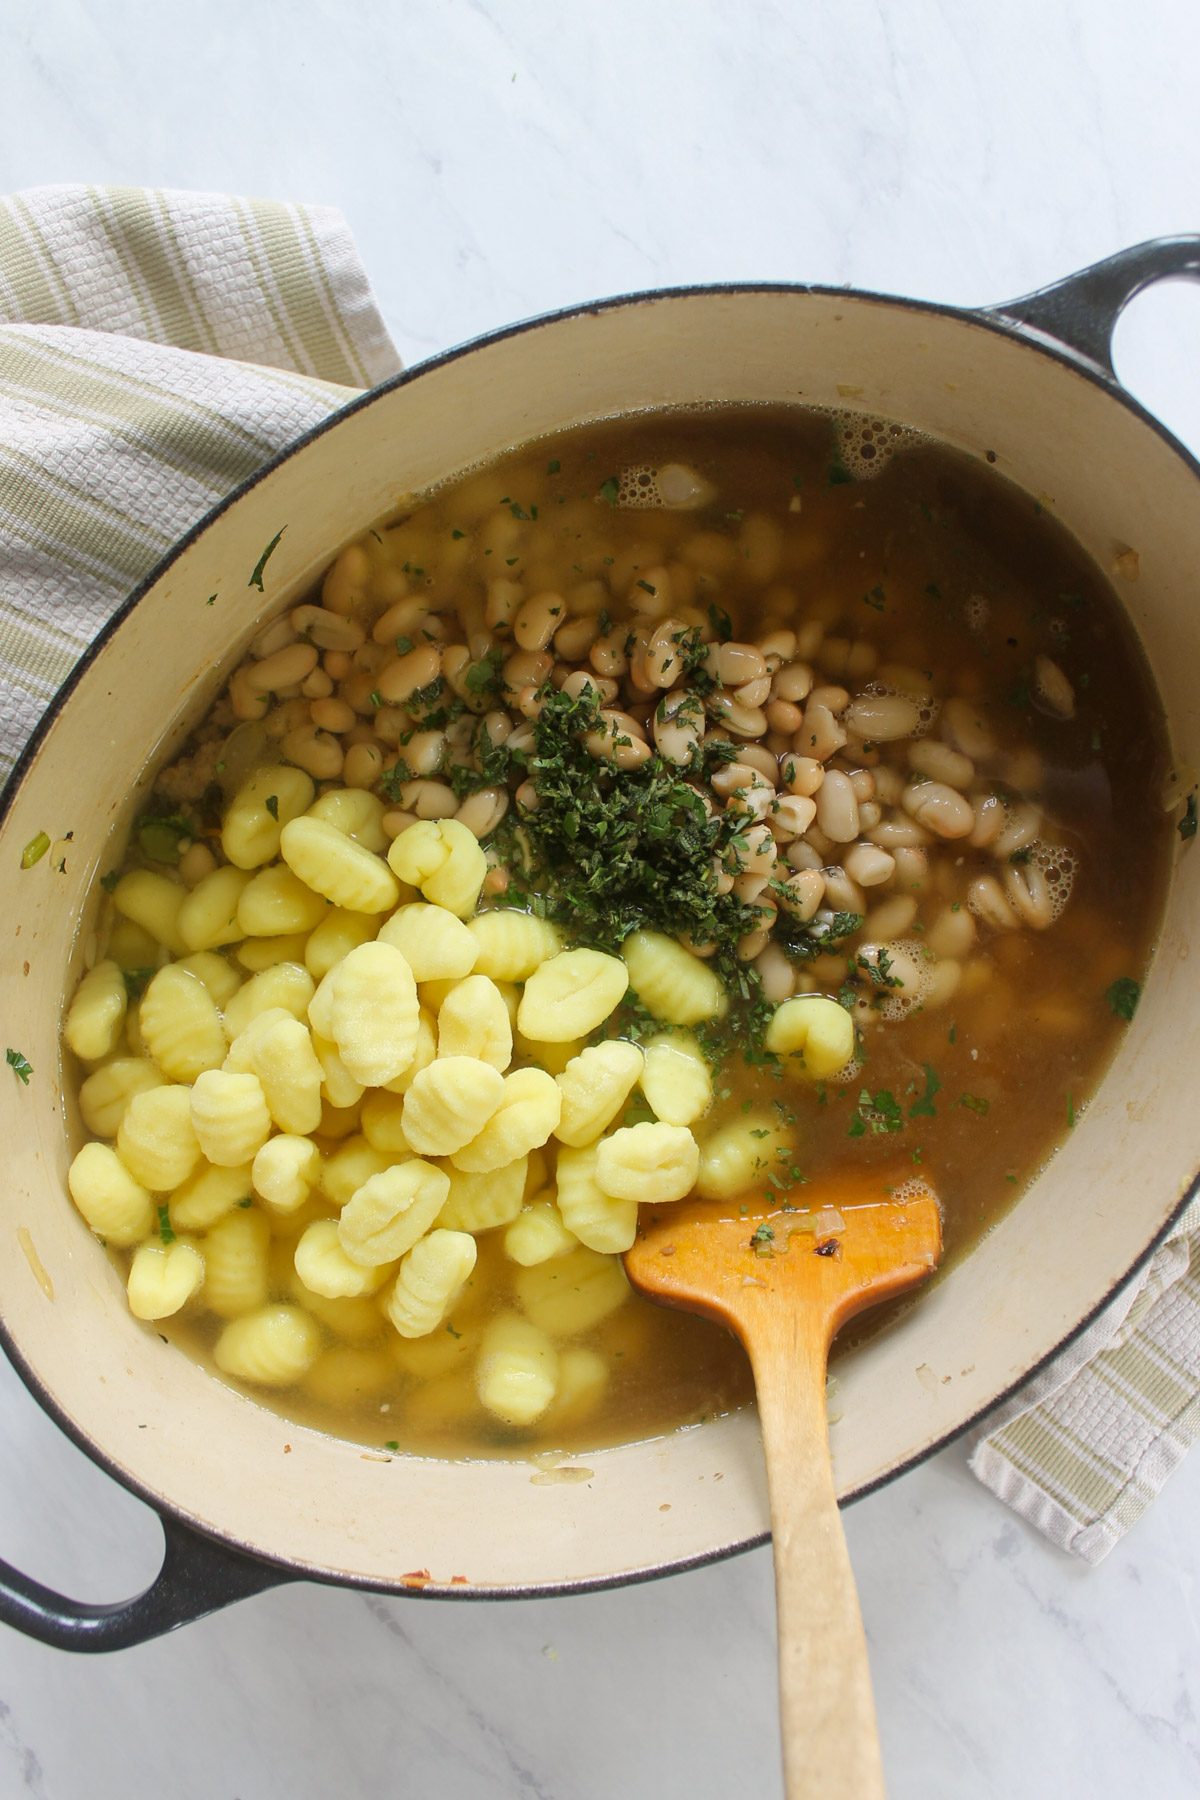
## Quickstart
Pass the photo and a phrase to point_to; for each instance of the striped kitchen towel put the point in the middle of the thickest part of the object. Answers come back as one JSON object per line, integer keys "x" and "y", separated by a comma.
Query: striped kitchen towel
{"x": 155, "y": 348}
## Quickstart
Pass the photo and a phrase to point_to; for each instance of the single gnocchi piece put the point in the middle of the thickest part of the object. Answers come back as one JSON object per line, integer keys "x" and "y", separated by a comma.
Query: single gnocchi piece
{"x": 481, "y": 1202}
{"x": 815, "y": 1031}
{"x": 153, "y": 902}
{"x": 383, "y": 1122}
{"x": 97, "y": 1013}
{"x": 449, "y": 1104}
{"x": 163, "y": 1278}
{"x": 356, "y": 1319}
{"x": 208, "y": 917}
{"x": 338, "y": 933}
{"x": 324, "y": 1267}
{"x": 512, "y": 944}
{"x": 594, "y": 1087}
{"x": 235, "y": 1262}
{"x": 444, "y": 860}
{"x": 208, "y": 1194}
{"x": 275, "y": 900}
{"x": 572, "y": 1293}
{"x": 740, "y": 1157}
{"x": 428, "y": 1282}
{"x": 390, "y": 1211}
{"x": 423, "y": 1055}
{"x": 108, "y": 1090}
{"x": 259, "y": 954}
{"x": 285, "y": 985}
{"x": 221, "y": 980}
{"x": 538, "y": 1233}
{"x": 351, "y": 1164}
{"x": 597, "y": 1219}
{"x": 355, "y": 812}
{"x": 524, "y": 1120}
{"x": 572, "y": 993}
{"x": 518, "y": 1370}
{"x": 338, "y": 1085}
{"x": 229, "y": 1116}
{"x": 285, "y": 1171}
{"x": 473, "y": 1020}
{"x": 373, "y": 1013}
{"x": 155, "y": 1139}
{"x": 290, "y": 1076}
{"x": 251, "y": 832}
{"x": 434, "y": 942}
{"x": 338, "y": 867}
{"x": 675, "y": 1080}
{"x": 677, "y": 987}
{"x": 272, "y": 1347}
{"x": 115, "y": 1205}
{"x": 180, "y": 1024}
{"x": 652, "y": 1162}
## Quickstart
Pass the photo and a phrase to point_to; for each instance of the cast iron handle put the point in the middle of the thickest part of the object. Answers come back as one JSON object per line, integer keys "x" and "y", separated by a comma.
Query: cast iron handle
{"x": 1082, "y": 311}
{"x": 198, "y": 1577}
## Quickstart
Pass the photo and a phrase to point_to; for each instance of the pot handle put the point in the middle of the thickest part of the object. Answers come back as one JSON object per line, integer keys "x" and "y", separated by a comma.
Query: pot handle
{"x": 198, "y": 1576}
{"x": 1082, "y": 311}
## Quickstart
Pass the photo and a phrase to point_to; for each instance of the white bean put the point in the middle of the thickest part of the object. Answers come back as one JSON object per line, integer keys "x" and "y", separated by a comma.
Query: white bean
{"x": 275, "y": 636}
{"x": 837, "y": 808}
{"x": 792, "y": 683}
{"x": 329, "y": 630}
{"x": 803, "y": 893}
{"x": 678, "y": 726}
{"x": 952, "y": 933}
{"x": 775, "y": 972}
{"x": 286, "y": 666}
{"x": 538, "y": 620}
{"x": 792, "y": 815}
{"x": 882, "y": 718}
{"x": 940, "y": 807}
{"x": 986, "y": 899}
{"x": 868, "y": 865}
{"x": 990, "y": 814}
{"x": 912, "y": 870}
{"x": 318, "y": 754}
{"x": 891, "y": 918}
{"x": 803, "y": 774}
{"x": 742, "y": 721}
{"x": 820, "y": 736}
{"x": 1028, "y": 892}
{"x": 964, "y": 725}
{"x": 482, "y": 812}
{"x": 898, "y": 831}
{"x": 1021, "y": 827}
{"x": 843, "y": 894}
{"x": 1052, "y": 688}
{"x": 941, "y": 763}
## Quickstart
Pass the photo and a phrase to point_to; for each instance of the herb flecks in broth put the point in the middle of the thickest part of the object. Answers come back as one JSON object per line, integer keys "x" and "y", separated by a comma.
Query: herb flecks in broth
{"x": 819, "y": 737}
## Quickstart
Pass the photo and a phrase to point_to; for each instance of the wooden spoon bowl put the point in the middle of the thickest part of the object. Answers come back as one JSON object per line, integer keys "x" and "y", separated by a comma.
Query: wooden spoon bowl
{"x": 785, "y": 1281}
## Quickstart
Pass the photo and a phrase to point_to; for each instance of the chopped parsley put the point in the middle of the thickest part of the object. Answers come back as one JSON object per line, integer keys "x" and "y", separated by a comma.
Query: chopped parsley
{"x": 20, "y": 1066}
{"x": 165, "y": 1229}
{"x": 878, "y": 1113}
{"x": 1190, "y": 819}
{"x": 975, "y": 1104}
{"x": 137, "y": 981}
{"x": 272, "y": 805}
{"x": 1123, "y": 997}
{"x": 392, "y": 1444}
{"x": 108, "y": 882}
{"x": 159, "y": 835}
{"x": 924, "y": 1107}
{"x": 256, "y": 580}
{"x": 610, "y": 489}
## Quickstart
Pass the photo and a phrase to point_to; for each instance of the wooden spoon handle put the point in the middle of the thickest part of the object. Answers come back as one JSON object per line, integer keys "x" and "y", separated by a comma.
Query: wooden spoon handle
{"x": 830, "y": 1740}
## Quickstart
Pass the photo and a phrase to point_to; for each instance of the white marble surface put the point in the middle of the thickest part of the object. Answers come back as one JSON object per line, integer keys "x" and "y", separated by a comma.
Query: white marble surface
{"x": 494, "y": 161}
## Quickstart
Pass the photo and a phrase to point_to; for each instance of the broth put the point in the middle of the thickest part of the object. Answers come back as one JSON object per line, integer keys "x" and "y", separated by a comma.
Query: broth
{"x": 890, "y": 555}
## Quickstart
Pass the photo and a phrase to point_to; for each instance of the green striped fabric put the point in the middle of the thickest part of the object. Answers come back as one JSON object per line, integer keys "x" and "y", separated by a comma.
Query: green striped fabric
{"x": 156, "y": 347}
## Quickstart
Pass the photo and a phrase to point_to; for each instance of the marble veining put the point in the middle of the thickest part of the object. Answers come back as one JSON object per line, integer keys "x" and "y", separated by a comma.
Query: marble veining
{"x": 495, "y": 161}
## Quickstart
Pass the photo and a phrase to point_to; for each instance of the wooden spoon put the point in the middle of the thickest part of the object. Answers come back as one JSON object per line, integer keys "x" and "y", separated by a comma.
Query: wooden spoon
{"x": 784, "y": 1283}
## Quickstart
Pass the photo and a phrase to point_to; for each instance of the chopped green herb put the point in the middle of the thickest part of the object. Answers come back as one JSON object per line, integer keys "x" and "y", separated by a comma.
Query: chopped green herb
{"x": 453, "y": 1333}
{"x": 393, "y": 779}
{"x": 165, "y": 1230}
{"x": 392, "y": 1444}
{"x": 762, "y": 1239}
{"x": 1020, "y": 693}
{"x": 647, "y": 586}
{"x": 518, "y": 511}
{"x": 720, "y": 621}
{"x": 137, "y": 981}
{"x": 403, "y": 646}
{"x": 553, "y": 468}
{"x": 953, "y": 1033}
{"x": 211, "y": 601}
{"x": 272, "y": 805}
{"x": 160, "y": 834}
{"x": 1123, "y": 997}
{"x": 924, "y": 1107}
{"x": 376, "y": 698}
{"x": 108, "y": 882}
{"x": 248, "y": 1201}
{"x": 933, "y": 590}
{"x": 610, "y": 489}
{"x": 1022, "y": 855}
{"x": 878, "y": 1113}
{"x": 256, "y": 580}
{"x": 34, "y": 850}
{"x": 456, "y": 533}
{"x": 839, "y": 476}
{"x": 19, "y": 1065}
{"x": 1070, "y": 1111}
{"x": 974, "y": 1104}
{"x": 1190, "y": 819}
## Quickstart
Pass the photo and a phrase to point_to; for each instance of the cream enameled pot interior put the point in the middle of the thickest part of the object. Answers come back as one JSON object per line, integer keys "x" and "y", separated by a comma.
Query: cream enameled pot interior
{"x": 232, "y": 1467}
